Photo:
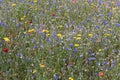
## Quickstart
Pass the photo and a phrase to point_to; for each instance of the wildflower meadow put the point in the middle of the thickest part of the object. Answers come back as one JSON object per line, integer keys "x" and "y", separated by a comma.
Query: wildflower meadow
{"x": 59, "y": 39}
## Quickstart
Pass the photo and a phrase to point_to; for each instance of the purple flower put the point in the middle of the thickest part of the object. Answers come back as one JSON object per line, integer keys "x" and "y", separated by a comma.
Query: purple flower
{"x": 21, "y": 0}
{"x": 117, "y": 3}
{"x": 117, "y": 25}
{"x": 0, "y": 0}
{"x": 97, "y": 27}
{"x": 105, "y": 22}
{"x": 109, "y": 14}
{"x": 71, "y": 45}
{"x": 55, "y": 77}
{"x": 91, "y": 58}
{"x": 74, "y": 50}
{"x": 92, "y": 54}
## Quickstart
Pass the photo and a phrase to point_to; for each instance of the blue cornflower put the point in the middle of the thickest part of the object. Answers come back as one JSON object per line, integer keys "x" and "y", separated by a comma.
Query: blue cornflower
{"x": 55, "y": 77}
{"x": 91, "y": 58}
{"x": 117, "y": 24}
{"x": 74, "y": 50}
{"x": 71, "y": 45}
{"x": 105, "y": 22}
{"x": 92, "y": 54}
{"x": 0, "y": 0}
{"x": 21, "y": 0}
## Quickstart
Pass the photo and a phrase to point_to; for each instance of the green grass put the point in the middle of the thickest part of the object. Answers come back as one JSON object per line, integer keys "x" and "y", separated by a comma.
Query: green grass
{"x": 76, "y": 40}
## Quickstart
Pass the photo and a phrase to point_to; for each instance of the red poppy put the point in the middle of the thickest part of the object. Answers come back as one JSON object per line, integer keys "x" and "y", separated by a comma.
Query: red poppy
{"x": 5, "y": 50}
{"x": 30, "y": 22}
{"x": 53, "y": 14}
{"x": 100, "y": 74}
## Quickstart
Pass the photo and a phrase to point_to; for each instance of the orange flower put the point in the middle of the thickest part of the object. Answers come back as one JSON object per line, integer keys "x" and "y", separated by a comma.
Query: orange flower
{"x": 100, "y": 74}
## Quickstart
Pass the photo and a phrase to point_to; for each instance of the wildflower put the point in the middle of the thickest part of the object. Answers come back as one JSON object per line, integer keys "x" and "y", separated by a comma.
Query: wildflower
{"x": 74, "y": 37}
{"x": 78, "y": 35}
{"x": 42, "y": 65}
{"x": 31, "y": 30}
{"x": 100, "y": 50}
{"x": 22, "y": 18}
{"x": 92, "y": 4}
{"x": 5, "y": 50}
{"x": 105, "y": 22}
{"x": 34, "y": 71}
{"x": 92, "y": 55}
{"x": 78, "y": 38}
{"x": 60, "y": 26}
{"x": 85, "y": 2}
{"x": 100, "y": 74}
{"x": 30, "y": 22}
{"x": 91, "y": 58}
{"x": 45, "y": 31}
{"x": 0, "y": 0}
{"x": 76, "y": 45}
{"x": 59, "y": 35}
{"x": 35, "y": 1}
{"x": 6, "y": 39}
{"x": 70, "y": 63}
{"x": 70, "y": 78}
{"x": 55, "y": 77}
{"x": 114, "y": 8}
{"x": 109, "y": 29}
{"x": 13, "y": 5}
{"x": 119, "y": 64}
{"x": 25, "y": 22}
{"x": 53, "y": 14}
{"x": 73, "y": 1}
{"x": 90, "y": 35}
{"x": 53, "y": 20}
{"x": 106, "y": 35}
{"x": 75, "y": 50}
{"x": 47, "y": 34}
{"x": 117, "y": 24}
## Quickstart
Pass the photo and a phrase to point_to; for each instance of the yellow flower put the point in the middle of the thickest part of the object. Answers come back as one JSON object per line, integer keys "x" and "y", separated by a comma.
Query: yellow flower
{"x": 25, "y": 22}
{"x": 35, "y": 1}
{"x": 86, "y": 2}
{"x": 78, "y": 35}
{"x": 6, "y": 39}
{"x": 107, "y": 35}
{"x": 93, "y": 5}
{"x": 70, "y": 78}
{"x": 78, "y": 38}
{"x": 42, "y": 65}
{"x": 53, "y": 20}
{"x": 59, "y": 35}
{"x": 109, "y": 29}
{"x": 113, "y": 2}
{"x": 60, "y": 26}
{"x": 114, "y": 8}
{"x": 74, "y": 37}
{"x": 76, "y": 45}
{"x": 22, "y": 18}
{"x": 31, "y": 30}
{"x": 47, "y": 34}
{"x": 119, "y": 64}
{"x": 100, "y": 50}
{"x": 90, "y": 35}
{"x": 13, "y": 5}
{"x": 34, "y": 71}
{"x": 45, "y": 31}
